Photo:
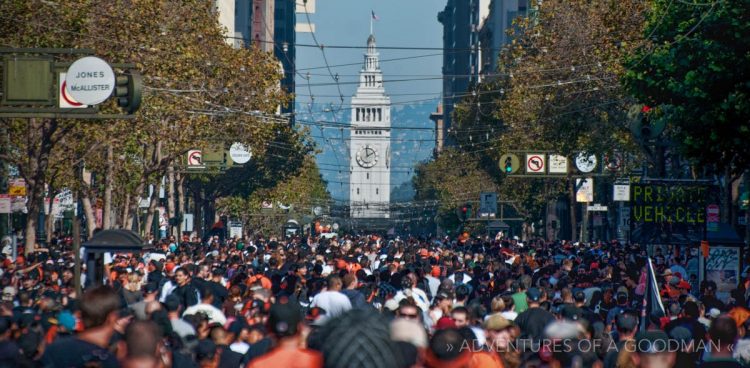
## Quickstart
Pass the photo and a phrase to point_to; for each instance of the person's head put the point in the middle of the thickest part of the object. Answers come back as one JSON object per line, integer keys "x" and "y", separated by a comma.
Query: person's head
{"x": 444, "y": 300}
{"x": 534, "y": 296}
{"x": 142, "y": 345}
{"x": 220, "y": 336}
{"x": 460, "y": 316}
{"x": 622, "y": 298}
{"x": 462, "y": 293}
{"x": 207, "y": 295}
{"x": 626, "y": 324}
{"x": 99, "y": 308}
{"x": 205, "y": 353}
{"x": 652, "y": 350}
{"x": 334, "y": 283}
{"x": 182, "y": 276}
{"x": 285, "y": 318}
{"x": 444, "y": 349}
{"x": 408, "y": 310}
{"x": 579, "y": 297}
{"x": 498, "y": 304}
{"x": 690, "y": 310}
{"x": 723, "y": 332}
{"x": 499, "y": 332}
{"x": 349, "y": 280}
{"x": 150, "y": 291}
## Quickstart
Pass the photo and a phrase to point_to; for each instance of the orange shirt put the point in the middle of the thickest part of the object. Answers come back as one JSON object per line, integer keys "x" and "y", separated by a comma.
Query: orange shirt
{"x": 485, "y": 359}
{"x": 297, "y": 358}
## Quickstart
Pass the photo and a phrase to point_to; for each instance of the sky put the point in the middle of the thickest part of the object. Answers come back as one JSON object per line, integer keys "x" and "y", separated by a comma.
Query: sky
{"x": 402, "y": 23}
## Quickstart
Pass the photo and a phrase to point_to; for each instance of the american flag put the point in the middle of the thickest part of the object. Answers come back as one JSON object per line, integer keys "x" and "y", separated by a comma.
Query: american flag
{"x": 374, "y": 16}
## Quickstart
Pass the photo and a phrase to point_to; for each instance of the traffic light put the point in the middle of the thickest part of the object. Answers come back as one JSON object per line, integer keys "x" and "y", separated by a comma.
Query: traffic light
{"x": 509, "y": 163}
{"x": 464, "y": 210}
{"x": 128, "y": 91}
{"x": 644, "y": 124}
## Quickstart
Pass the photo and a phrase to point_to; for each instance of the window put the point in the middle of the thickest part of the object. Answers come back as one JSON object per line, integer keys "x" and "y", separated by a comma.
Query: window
{"x": 376, "y": 191}
{"x": 368, "y": 175}
{"x": 357, "y": 190}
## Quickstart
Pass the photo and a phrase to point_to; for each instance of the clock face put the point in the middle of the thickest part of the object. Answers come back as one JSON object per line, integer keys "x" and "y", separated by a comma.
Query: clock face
{"x": 585, "y": 163}
{"x": 367, "y": 157}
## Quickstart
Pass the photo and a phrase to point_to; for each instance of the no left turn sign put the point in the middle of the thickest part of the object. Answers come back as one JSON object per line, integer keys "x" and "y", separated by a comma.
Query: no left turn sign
{"x": 195, "y": 158}
{"x": 535, "y": 163}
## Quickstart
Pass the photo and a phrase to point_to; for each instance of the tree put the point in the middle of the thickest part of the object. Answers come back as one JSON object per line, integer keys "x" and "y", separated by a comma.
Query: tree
{"x": 694, "y": 69}
{"x": 293, "y": 197}
{"x": 556, "y": 89}
{"x": 692, "y": 73}
{"x": 198, "y": 90}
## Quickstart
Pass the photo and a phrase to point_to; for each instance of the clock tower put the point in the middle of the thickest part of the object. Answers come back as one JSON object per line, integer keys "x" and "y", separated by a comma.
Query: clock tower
{"x": 370, "y": 145}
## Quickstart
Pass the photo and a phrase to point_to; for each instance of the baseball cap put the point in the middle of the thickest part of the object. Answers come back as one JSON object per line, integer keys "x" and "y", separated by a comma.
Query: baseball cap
{"x": 435, "y": 272}
{"x": 497, "y": 322}
{"x": 284, "y": 318}
{"x": 237, "y": 325}
{"x": 150, "y": 288}
{"x": 66, "y": 320}
{"x": 626, "y": 322}
{"x": 205, "y": 349}
{"x": 534, "y": 294}
{"x": 571, "y": 312}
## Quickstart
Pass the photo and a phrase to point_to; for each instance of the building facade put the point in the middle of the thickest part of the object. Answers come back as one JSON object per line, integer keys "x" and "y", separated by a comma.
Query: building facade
{"x": 284, "y": 35}
{"x": 370, "y": 147}
{"x": 493, "y": 36}
{"x": 461, "y": 20}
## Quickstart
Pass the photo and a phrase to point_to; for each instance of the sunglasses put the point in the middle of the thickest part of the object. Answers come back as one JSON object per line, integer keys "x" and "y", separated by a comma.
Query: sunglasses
{"x": 408, "y": 316}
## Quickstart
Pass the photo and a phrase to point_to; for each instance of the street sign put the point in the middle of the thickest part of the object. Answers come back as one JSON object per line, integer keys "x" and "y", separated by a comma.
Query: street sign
{"x": 65, "y": 100}
{"x": 621, "y": 192}
{"x": 5, "y": 203}
{"x": 488, "y": 204}
{"x": 585, "y": 163}
{"x": 585, "y": 190}
{"x": 240, "y": 153}
{"x": 195, "y": 159}
{"x": 712, "y": 217}
{"x": 235, "y": 229}
{"x": 596, "y": 207}
{"x": 17, "y": 187}
{"x": 266, "y": 205}
{"x": 613, "y": 162}
{"x": 90, "y": 80}
{"x": 558, "y": 164}
{"x": 535, "y": 163}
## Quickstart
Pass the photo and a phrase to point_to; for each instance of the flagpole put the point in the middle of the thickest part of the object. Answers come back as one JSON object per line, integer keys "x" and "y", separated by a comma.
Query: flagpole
{"x": 371, "y": 24}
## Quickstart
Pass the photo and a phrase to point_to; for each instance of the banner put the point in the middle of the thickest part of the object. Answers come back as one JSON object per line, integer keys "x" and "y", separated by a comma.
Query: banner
{"x": 723, "y": 268}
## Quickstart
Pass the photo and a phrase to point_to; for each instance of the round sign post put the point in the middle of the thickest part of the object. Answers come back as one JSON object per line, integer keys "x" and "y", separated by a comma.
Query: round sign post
{"x": 90, "y": 80}
{"x": 239, "y": 153}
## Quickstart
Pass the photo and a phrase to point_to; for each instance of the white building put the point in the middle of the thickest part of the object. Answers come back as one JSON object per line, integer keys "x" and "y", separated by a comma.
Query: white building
{"x": 370, "y": 148}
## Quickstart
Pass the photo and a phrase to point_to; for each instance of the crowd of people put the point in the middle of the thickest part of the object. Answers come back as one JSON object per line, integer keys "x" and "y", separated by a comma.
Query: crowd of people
{"x": 367, "y": 301}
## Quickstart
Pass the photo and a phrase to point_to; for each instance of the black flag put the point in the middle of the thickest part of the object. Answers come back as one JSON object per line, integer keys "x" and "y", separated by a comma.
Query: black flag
{"x": 652, "y": 306}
